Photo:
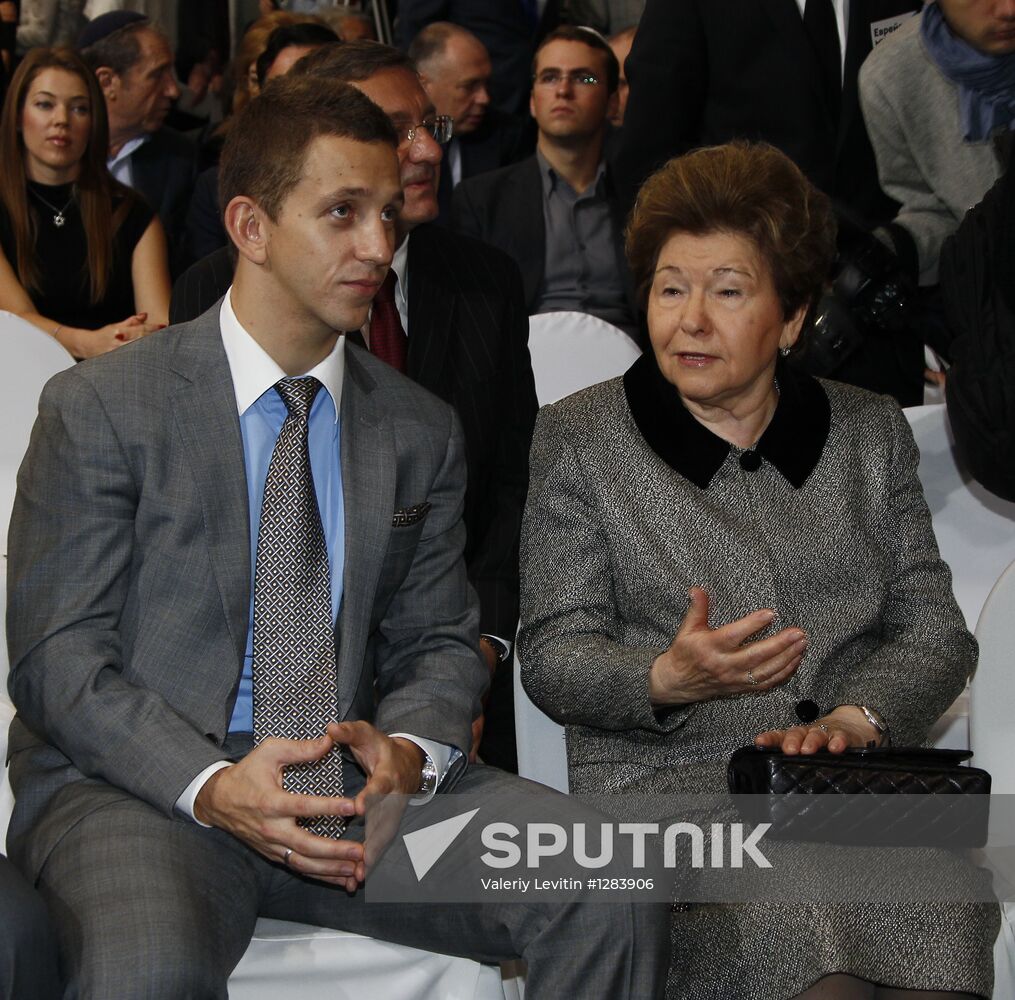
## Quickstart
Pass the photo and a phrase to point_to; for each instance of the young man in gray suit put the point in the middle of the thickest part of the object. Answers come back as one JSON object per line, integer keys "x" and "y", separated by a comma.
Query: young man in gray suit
{"x": 163, "y": 632}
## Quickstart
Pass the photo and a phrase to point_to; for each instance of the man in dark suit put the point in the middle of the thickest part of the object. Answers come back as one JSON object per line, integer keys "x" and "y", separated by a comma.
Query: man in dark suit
{"x": 454, "y": 68}
{"x": 460, "y": 303}
{"x": 556, "y": 213}
{"x": 165, "y": 688}
{"x": 134, "y": 67}
{"x": 704, "y": 72}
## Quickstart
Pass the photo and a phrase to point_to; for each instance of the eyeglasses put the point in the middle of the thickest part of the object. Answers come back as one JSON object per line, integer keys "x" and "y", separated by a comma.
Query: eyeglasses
{"x": 440, "y": 128}
{"x": 576, "y": 77}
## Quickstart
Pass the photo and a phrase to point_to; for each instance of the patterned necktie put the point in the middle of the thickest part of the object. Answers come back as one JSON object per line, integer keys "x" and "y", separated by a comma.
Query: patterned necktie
{"x": 823, "y": 30}
{"x": 294, "y": 638}
{"x": 387, "y": 338}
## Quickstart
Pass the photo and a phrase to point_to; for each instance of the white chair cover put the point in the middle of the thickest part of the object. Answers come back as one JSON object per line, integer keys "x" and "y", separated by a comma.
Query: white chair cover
{"x": 992, "y": 732}
{"x": 570, "y": 351}
{"x": 975, "y": 530}
{"x": 287, "y": 959}
{"x": 992, "y": 697}
{"x": 976, "y": 535}
{"x": 28, "y": 359}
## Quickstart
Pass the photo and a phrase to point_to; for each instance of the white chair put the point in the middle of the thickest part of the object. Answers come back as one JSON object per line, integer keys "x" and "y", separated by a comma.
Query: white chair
{"x": 283, "y": 959}
{"x": 975, "y": 530}
{"x": 992, "y": 698}
{"x": 28, "y": 359}
{"x": 992, "y": 731}
{"x": 975, "y": 533}
{"x": 570, "y": 351}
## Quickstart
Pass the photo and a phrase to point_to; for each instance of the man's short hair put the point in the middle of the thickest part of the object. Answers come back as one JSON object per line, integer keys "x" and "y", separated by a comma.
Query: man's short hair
{"x": 431, "y": 42}
{"x": 589, "y": 37}
{"x": 304, "y": 34}
{"x": 120, "y": 50}
{"x": 267, "y": 146}
{"x": 352, "y": 62}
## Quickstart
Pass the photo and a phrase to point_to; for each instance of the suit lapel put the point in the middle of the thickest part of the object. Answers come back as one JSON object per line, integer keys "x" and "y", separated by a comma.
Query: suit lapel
{"x": 530, "y": 227}
{"x": 432, "y": 302}
{"x": 368, "y": 488}
{"x": 789, "y": 26}
{"x": 148, "y": 173}
{"x": 204, "y": 411}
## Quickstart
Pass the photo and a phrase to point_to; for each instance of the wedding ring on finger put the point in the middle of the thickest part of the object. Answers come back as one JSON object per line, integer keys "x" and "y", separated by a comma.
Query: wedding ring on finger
{"x": 751, "y": 679}
{"x": 823, "y": 728}
{"x": 286, "y": 856}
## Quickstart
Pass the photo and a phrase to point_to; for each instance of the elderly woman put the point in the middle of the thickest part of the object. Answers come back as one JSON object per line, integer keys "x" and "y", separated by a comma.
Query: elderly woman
{"x": 719, "y": 549}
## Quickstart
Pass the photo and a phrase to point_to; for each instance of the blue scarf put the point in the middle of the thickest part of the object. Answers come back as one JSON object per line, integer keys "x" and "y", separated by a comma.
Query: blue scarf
{"x": 986, "y": 83}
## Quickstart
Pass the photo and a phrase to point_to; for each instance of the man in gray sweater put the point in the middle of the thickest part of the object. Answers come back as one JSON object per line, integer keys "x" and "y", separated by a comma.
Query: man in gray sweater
{"x": 938, "y": 98}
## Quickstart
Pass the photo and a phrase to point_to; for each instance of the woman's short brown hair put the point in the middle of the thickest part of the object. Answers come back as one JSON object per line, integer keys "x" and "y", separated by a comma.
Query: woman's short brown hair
{"x": 748, "y": 189}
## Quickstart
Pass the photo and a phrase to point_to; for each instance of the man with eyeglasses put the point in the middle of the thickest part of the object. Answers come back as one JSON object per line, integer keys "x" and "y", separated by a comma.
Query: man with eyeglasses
{"x": 556, "y": 213}
{"x": 462, "y": 333}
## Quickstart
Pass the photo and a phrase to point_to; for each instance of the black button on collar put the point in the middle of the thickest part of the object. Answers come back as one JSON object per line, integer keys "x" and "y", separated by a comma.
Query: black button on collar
{"x": 750, "y": 461}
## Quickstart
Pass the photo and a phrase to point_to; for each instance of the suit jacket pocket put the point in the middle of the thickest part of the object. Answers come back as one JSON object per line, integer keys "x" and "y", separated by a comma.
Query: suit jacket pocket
{"x": 405, "y": 517}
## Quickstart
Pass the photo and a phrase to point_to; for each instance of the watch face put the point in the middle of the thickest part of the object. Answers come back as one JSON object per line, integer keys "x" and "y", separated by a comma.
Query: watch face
{"x": 428, "y": 776}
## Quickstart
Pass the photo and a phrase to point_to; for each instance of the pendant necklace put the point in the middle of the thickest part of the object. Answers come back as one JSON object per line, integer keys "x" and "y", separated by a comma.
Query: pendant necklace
{"x": 59, "y": 218}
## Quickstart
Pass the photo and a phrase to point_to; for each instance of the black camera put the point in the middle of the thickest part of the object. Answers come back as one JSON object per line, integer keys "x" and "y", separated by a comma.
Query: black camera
{"x": 871, "y": 295}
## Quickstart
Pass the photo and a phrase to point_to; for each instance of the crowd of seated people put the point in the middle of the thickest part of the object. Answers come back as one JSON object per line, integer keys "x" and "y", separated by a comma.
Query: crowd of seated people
{"x": 663, "y": 165}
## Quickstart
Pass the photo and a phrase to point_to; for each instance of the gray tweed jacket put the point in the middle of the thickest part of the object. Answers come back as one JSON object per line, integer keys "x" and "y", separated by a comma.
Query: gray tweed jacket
{"x": 832, "y": 530}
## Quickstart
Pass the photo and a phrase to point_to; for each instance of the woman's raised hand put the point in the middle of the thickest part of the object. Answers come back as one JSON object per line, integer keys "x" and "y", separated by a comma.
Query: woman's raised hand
{"x": 704, "y": 663}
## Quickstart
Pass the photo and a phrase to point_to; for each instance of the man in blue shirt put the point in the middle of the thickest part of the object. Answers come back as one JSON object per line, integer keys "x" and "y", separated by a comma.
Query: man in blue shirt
{"x": 166, "y": 795}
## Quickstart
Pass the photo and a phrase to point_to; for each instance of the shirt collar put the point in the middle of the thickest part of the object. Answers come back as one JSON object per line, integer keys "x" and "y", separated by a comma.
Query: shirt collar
{"x": 126, "y": 150}
{"x": 400, "y": 265}
{"x": 254, "y": 371}
{"x": 792, "y": 442}
{"x": 551, "y": 178}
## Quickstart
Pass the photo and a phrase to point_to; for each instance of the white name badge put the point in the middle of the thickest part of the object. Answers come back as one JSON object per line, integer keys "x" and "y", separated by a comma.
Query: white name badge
{"x": 880, "y": 30}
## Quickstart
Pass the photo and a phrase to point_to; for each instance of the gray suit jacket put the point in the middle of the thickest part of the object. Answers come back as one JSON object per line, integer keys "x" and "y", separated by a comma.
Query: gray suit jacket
{"x": 129, "y": 576}
{"x": 614, "y": 536}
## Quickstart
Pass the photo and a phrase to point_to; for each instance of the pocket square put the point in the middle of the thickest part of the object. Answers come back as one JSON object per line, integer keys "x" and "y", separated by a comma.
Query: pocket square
{"x": 410, "y": 515}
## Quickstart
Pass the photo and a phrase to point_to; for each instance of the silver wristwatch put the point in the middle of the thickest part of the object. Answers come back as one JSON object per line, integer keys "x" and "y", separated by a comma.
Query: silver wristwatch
{"x": 877, "y": 720}
{"x": 427, "y": 777}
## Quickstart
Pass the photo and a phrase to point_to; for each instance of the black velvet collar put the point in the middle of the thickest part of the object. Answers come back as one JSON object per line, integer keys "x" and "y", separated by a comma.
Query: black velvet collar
{"x": 792, "y": 442}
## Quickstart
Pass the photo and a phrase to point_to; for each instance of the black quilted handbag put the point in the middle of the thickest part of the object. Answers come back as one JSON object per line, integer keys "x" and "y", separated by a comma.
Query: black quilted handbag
{"x": 899, "y": 796}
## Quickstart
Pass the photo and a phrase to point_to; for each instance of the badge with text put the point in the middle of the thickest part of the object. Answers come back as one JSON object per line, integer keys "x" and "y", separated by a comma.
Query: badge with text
{"x": 880, "y": 30}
